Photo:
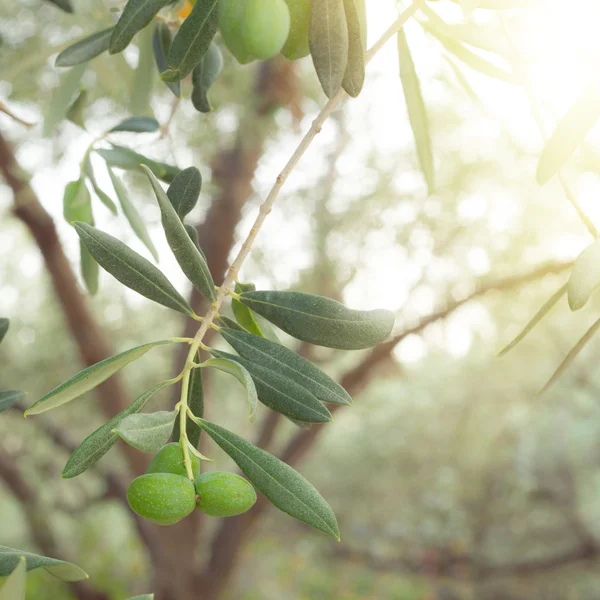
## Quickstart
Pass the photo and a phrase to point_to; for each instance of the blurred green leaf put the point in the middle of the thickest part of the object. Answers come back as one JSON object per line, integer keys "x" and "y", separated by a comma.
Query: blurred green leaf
{"x": 9, "y": 398}
{"x": 143, "y": 597}
{"x": 76, "y": 110}
{"x": 417, "y": 112}
{"x": 279, "y": 358}
{"x": 98, "y": 443}
{"x": 63, "y": 5}
{"x": 15, "y": 584}
{"x": 191, "y": 261}
{"x": 585, "y": 276}
{"x": 10, "y": 557}
{"x": 77, "y": 204}
{"x": 124, "y": 158}
{"x": 143, "y": 80}
{"x": 137, "y": 125}
{"x": 354, "y": 76}
{"x": 4, "y": 325}
{"x": 185, "y": 191}
{"x": 161, "y": 42}
{"x": 192, "y": 40}
{"x": 241, "y": 374}
{"x": 281, "y": 394}
{"x": 321, "y": 321}
{"x": 104, "y": 198}
{"x": 131, "y": 269}
{"x": 284, "y": 487}
{"x": 85, "y": 49}
{"x": 90, "y": 270}
{"x": 89, "y": 378}
{"x": 57, "y": 110}
{"x": 328, "y": 41}
{"x": 131, "y": 214}
{"x": 135, "y": 16}
{"x": 148, "y": 432}
{"x": 204, "y": 75}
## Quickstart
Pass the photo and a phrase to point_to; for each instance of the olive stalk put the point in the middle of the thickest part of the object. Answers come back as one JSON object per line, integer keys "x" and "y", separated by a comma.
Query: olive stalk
{"x": 226, "y": 288}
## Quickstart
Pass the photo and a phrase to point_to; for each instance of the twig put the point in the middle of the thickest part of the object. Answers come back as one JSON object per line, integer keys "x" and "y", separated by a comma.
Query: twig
{"x": 11, "y": 114}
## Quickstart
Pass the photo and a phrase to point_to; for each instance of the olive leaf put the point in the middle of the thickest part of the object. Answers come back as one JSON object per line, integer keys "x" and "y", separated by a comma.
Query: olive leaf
{"x": 354, "y": 76}
{"x": 135, "y": 16}
{"x": 147, "y": 432}
{"x": 124, "y": 158}
{"x": 161, "y": 42}
{"x": 204, "y": 75}
{"x": 90, "y": 271}
{"x": 241, "y": 374}
{"x": 131, "y": 269}
{"x": 585, "y": 277}
{"x": 10, "y": 557}
{"x": 61, "y": 101}
{"x": 569, "y": 133}
{"x": 284, "y": 487}
{"x": 88, "y": 169}
{"x": 89, "y": 378}
{"x": 185, "y": 191}
{"x": 131, "y": 214}
{"x": 191, "y": 261}
{"x": 9, "y": 398}
{"x": 195, "y": 401}
{"x": 192, "y": 40}
{"x": 98, "y": 443}
{"x": 76, "y": 111}
{"x": 243, "y": 315}
{"x": 297, "y": 368}
{"x": 4, "y": 325}
{"x": 143, "y": 597}
{"x": 77, "y": 203}
{"x": 417, "y": 112}
{"x": 281, "y": 394}
{"x": 84, "y": 49}
{"x": 63, "y": 5}
{"x": 571, "y": 356}
{"x": 320, "y": 320}
{"x": 539, "y": 315}
{"x": 328, "y": 42}
{"x": 15, "y": 584}
{"x": 140, "y": 93}
{"x": 136, "y": 125}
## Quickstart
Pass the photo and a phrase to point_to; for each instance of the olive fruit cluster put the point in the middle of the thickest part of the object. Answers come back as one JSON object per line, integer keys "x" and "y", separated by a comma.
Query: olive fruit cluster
{"x": 165, "y": 495}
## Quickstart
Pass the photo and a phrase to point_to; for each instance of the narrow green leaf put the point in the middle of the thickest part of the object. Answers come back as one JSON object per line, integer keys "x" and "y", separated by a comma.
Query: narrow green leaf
{"x": 569, "y": 133}
{"x": 539, "y": 315}
{"x": 137, "y": 125}
{"x": 204, "y": 75}
{"x": 104, "y": 198}
{"x": 328, "y": 42}
{"x": 135, "y": 16}
{"x": 127, "y": 159}
{"x": 77, "y": 203}
{"x": 4, "y": 325}
{"x": 193, "y": 233}
{"x": 147, "y": 432}
{"x": 63, "y": 5}
{"x": 75, "y": 112}
{"x": 192, "y": 40}
{"x": 131, "y": 269}
{"x": 229, "y": 323}
{"x": 571, "y": 356}
{"x": 462, "y": 80}
{"x": 297, "y": 368}
{"x": 243, "y": 315}
{"x": 63, "y": 96}
{"x": 195, "y": 398}
{"x": 9, "y": 398}
{"x": 89, "y": 378}
{"x": 98, "y": 443}
{"x": 15, "y": 584}
{"x": 131, "y": 214}
{"x": 241, "y": 374}
{"x": 185, "y": 191}
{"x": 85, "y": 49}
{"x": 284, "y": 487}
{"x": 143, "y": 597}
{"x": 417, "y": 112}
{"x": 143, "y": 80}
{"x": 192, "y": 263}
{"x": 320, "y": 320}
{"x": 585, "y": 276}
{"x": 354, "y": 76}
{"x": 90, "y": 270}
{"x": 161, "y": 42}
{"x": 281, "y": 394}
{"x": 10, "y": 557}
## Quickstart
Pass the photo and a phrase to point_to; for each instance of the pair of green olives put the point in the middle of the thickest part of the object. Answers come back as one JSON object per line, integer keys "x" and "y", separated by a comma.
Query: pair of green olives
{"x": 165, "y": 495}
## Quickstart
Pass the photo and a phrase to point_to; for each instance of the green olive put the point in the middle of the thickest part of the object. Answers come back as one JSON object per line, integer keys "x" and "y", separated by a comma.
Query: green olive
{"x": 163, "y": 498}
{"x": 231, "y": 22}
{"x": 296, "y": 45}
{"x": 169, "y": 459}
{"x": 223, "y": 494}
{"x": 266, "y": 27}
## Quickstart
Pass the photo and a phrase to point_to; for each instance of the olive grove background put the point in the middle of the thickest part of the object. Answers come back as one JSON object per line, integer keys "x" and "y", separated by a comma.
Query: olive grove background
{"x": 449, "y": 476}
